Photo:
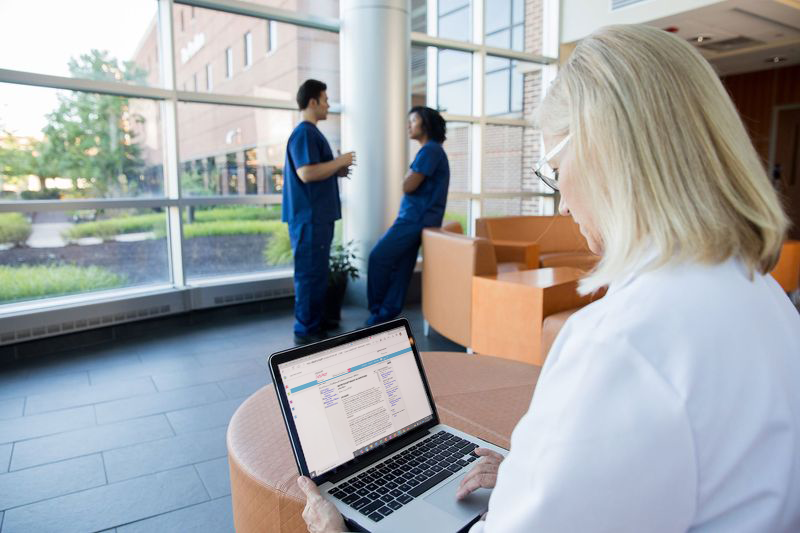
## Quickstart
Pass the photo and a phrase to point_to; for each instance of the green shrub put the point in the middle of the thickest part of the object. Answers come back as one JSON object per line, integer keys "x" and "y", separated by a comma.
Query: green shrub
{"x": 243, "y": 212}
{"x": 28, "y": 282}
{"x": 458, "y": 217}
{"x": 279, "y": 250}
{"x": 108, "y": 228}
{"x": 14, "y": 228}
{"x": 231, "y": 227}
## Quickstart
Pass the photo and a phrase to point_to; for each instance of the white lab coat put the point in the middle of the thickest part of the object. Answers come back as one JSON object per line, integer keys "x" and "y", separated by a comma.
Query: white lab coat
{"x": 671, "y": 404}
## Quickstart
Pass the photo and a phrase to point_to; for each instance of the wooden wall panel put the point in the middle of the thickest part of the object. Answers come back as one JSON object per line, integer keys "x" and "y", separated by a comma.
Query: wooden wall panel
{"x": 756, "y": 93}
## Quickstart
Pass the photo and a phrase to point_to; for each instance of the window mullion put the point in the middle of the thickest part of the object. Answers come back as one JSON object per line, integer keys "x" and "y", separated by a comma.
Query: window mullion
{"x": 169, "y": 118}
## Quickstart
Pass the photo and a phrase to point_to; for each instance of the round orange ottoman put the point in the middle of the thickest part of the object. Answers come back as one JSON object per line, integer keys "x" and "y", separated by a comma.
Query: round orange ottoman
{"x": 484, "y": 396}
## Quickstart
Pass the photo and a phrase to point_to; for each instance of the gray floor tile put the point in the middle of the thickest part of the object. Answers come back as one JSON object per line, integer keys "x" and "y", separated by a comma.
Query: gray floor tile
{"x": 90, "y": 440}
{"x": 110, "y": 505}
{"x": 140, "y": 369}
{"x": 231, "y": 354}
{"x": 11, "y": 408}
{"x": 163, "y": 454}
{"x": 205, "y": 374}
{"x": 158, "y": 402}
{"x": 56, "y": 479}
{"x": 243, "y": 387}
{"x": 5, "y": 457}
{"x": 13, "y": 385}
{"x": 88, "y": 394}
{"x": 203, "y": 417}
{"x": 28, "y": 427}
{"x": 215, "y": 516}
{"x": 216, "y": 476}
{"x": 83, "y": 360}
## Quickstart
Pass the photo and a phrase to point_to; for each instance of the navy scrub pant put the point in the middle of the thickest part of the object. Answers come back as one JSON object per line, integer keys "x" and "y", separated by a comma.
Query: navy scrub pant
{"x": 391, "y": 264}
{"x": 311, "y": 245}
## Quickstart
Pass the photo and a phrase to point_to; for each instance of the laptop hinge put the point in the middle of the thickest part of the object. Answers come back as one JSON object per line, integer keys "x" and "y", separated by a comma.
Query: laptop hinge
{"x": 376, "y": 456}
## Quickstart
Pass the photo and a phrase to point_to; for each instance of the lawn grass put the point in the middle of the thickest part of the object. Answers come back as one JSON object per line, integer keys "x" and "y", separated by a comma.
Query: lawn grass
{"x": 241, "y": 212}
{"x": 107, "y": 229}
{"x": 29, "y": 282}
{"x": 14, "y": 228}
{"x": 231, "y": 227}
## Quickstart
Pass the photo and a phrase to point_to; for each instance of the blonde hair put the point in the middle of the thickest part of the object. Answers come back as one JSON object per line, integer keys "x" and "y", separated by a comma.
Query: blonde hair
{"x": 661, "y": 155}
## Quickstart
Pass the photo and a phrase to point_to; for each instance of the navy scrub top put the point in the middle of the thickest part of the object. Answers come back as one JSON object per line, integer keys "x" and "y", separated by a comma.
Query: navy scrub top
{"x": 426, "y": 204}
{"x": 316, "y": 202}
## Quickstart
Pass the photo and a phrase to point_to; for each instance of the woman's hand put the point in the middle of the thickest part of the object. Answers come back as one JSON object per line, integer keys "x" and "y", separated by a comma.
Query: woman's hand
{"x": 483, "y": 474}
{"x": 320, "y": 515}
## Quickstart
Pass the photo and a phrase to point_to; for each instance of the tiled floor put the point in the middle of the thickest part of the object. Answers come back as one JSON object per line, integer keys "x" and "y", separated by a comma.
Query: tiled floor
{"x": 131, "y": 437}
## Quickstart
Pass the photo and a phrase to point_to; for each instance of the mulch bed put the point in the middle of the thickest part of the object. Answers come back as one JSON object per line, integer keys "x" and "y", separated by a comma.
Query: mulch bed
{"x": 147, "y": 261}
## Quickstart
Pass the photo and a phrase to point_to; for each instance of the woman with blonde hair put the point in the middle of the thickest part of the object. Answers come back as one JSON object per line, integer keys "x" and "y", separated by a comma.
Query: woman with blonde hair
{"x": 672, "y": 403}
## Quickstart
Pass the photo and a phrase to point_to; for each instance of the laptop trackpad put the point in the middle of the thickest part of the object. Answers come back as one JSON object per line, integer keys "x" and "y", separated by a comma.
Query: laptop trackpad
{"x": 445, "y": 499}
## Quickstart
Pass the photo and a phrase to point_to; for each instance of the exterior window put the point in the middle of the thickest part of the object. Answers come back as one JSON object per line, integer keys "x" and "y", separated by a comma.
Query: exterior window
{"x": 272, "y": 36}
{"x": 229, "y": 62}
{"x": 248, "y": 49}
{"x": 209, "y": 78}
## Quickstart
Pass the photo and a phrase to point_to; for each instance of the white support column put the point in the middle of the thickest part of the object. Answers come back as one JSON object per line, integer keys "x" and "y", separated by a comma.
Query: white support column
{"x": 169, "y": 118}
{"x": 479, "y": 128}
{"x": 375, "y": 62}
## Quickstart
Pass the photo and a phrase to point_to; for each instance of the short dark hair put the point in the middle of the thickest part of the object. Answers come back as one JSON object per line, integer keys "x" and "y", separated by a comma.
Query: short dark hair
{"x": 433, "y": 124}
{"x": 310, "y": 90}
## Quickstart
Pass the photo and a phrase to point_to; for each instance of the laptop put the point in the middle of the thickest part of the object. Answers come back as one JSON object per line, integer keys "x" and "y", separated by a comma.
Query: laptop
{"x": 364, "y": 427}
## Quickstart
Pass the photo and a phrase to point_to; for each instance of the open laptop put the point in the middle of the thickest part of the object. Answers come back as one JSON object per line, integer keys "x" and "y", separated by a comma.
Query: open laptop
{"x": 364, "y": 427}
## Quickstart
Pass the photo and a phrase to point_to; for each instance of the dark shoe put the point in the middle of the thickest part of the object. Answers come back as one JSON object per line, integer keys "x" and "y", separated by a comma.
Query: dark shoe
{"x": 329, "y": 324}
{"x": 300, "y": 340}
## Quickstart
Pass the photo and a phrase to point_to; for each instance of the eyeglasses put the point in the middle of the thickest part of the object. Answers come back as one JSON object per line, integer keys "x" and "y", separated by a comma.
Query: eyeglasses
{"x": 544, "y": 171}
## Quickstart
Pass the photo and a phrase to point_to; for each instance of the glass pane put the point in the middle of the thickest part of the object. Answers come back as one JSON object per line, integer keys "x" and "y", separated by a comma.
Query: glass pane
{"x": 66, "y": 144}
{"x": 235, "y": 150}
{"x": 91, "y": 40}
{"x": 538, "y": 205}
{"x": 455, "y": 98}
{"x": 501, "y": 39}
{"x": 519, "y": 11}
{"x": 501, "y": 207}
{"x": 456, "y": 25}
{"x": 454, "y": 65}
{"x": 504, "y": 167}
{"x": 517, "y": 82}
{"x": 68, "y": 252}
{"x": 419, "y": 75}
{"x": 496, "y": 63}
{"x": 498, "y": 15}
{"x": 446, "y": 6}
{"x": 458, "y": 147}
{"x": 419, "y": 16}
{"x": 496, "y": 101}
{"x": 283, "y": 55}
{"x": 234, "y": 239}
{"x": 518, "y": 38}
{"x": 457, "y": 210}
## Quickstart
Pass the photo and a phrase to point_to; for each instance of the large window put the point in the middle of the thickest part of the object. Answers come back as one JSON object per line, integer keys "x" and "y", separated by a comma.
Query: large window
{"x": 130, "y": 166}
{"x": 89, "y": 202}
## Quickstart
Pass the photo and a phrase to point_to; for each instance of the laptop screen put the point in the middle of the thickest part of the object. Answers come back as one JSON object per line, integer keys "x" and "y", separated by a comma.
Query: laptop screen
{"x": 350, "y": 399}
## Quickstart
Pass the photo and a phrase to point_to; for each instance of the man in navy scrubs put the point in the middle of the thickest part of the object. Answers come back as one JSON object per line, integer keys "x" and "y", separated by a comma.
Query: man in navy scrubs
{"x": 391, "y": 262}
{"x": 311, "y": 206}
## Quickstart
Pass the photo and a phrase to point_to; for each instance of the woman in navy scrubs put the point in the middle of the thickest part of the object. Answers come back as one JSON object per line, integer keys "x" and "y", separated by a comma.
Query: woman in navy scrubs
{"x": 392, "y": 261}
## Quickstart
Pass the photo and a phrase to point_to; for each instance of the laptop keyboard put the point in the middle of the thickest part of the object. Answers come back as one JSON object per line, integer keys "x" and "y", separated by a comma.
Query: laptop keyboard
{"x": 391, "y": 484}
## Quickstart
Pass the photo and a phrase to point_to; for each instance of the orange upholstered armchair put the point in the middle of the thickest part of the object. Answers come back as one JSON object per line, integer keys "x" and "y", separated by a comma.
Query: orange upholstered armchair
{"x": 787, "y": 271}
{"x": 494, "y": 308}
{"x": 558, "y": 237}
{"x": 449, "y": 261}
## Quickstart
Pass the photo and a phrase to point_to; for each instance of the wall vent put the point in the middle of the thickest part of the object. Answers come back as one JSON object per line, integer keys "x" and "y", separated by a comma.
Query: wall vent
{"x": 726, "y": 45}
{"x": 250, "y": 296}
{"x": 619, "y": 4}
{"x": 71, "y": 326}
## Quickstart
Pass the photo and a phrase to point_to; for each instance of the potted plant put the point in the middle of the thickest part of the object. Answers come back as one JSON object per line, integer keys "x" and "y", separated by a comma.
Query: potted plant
{"x": 341, "y": 269}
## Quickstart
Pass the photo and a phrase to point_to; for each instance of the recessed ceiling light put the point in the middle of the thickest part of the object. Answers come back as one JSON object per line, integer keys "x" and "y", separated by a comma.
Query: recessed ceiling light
{"x": 702, "y": 38}
{"x": 776, "y": 59}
